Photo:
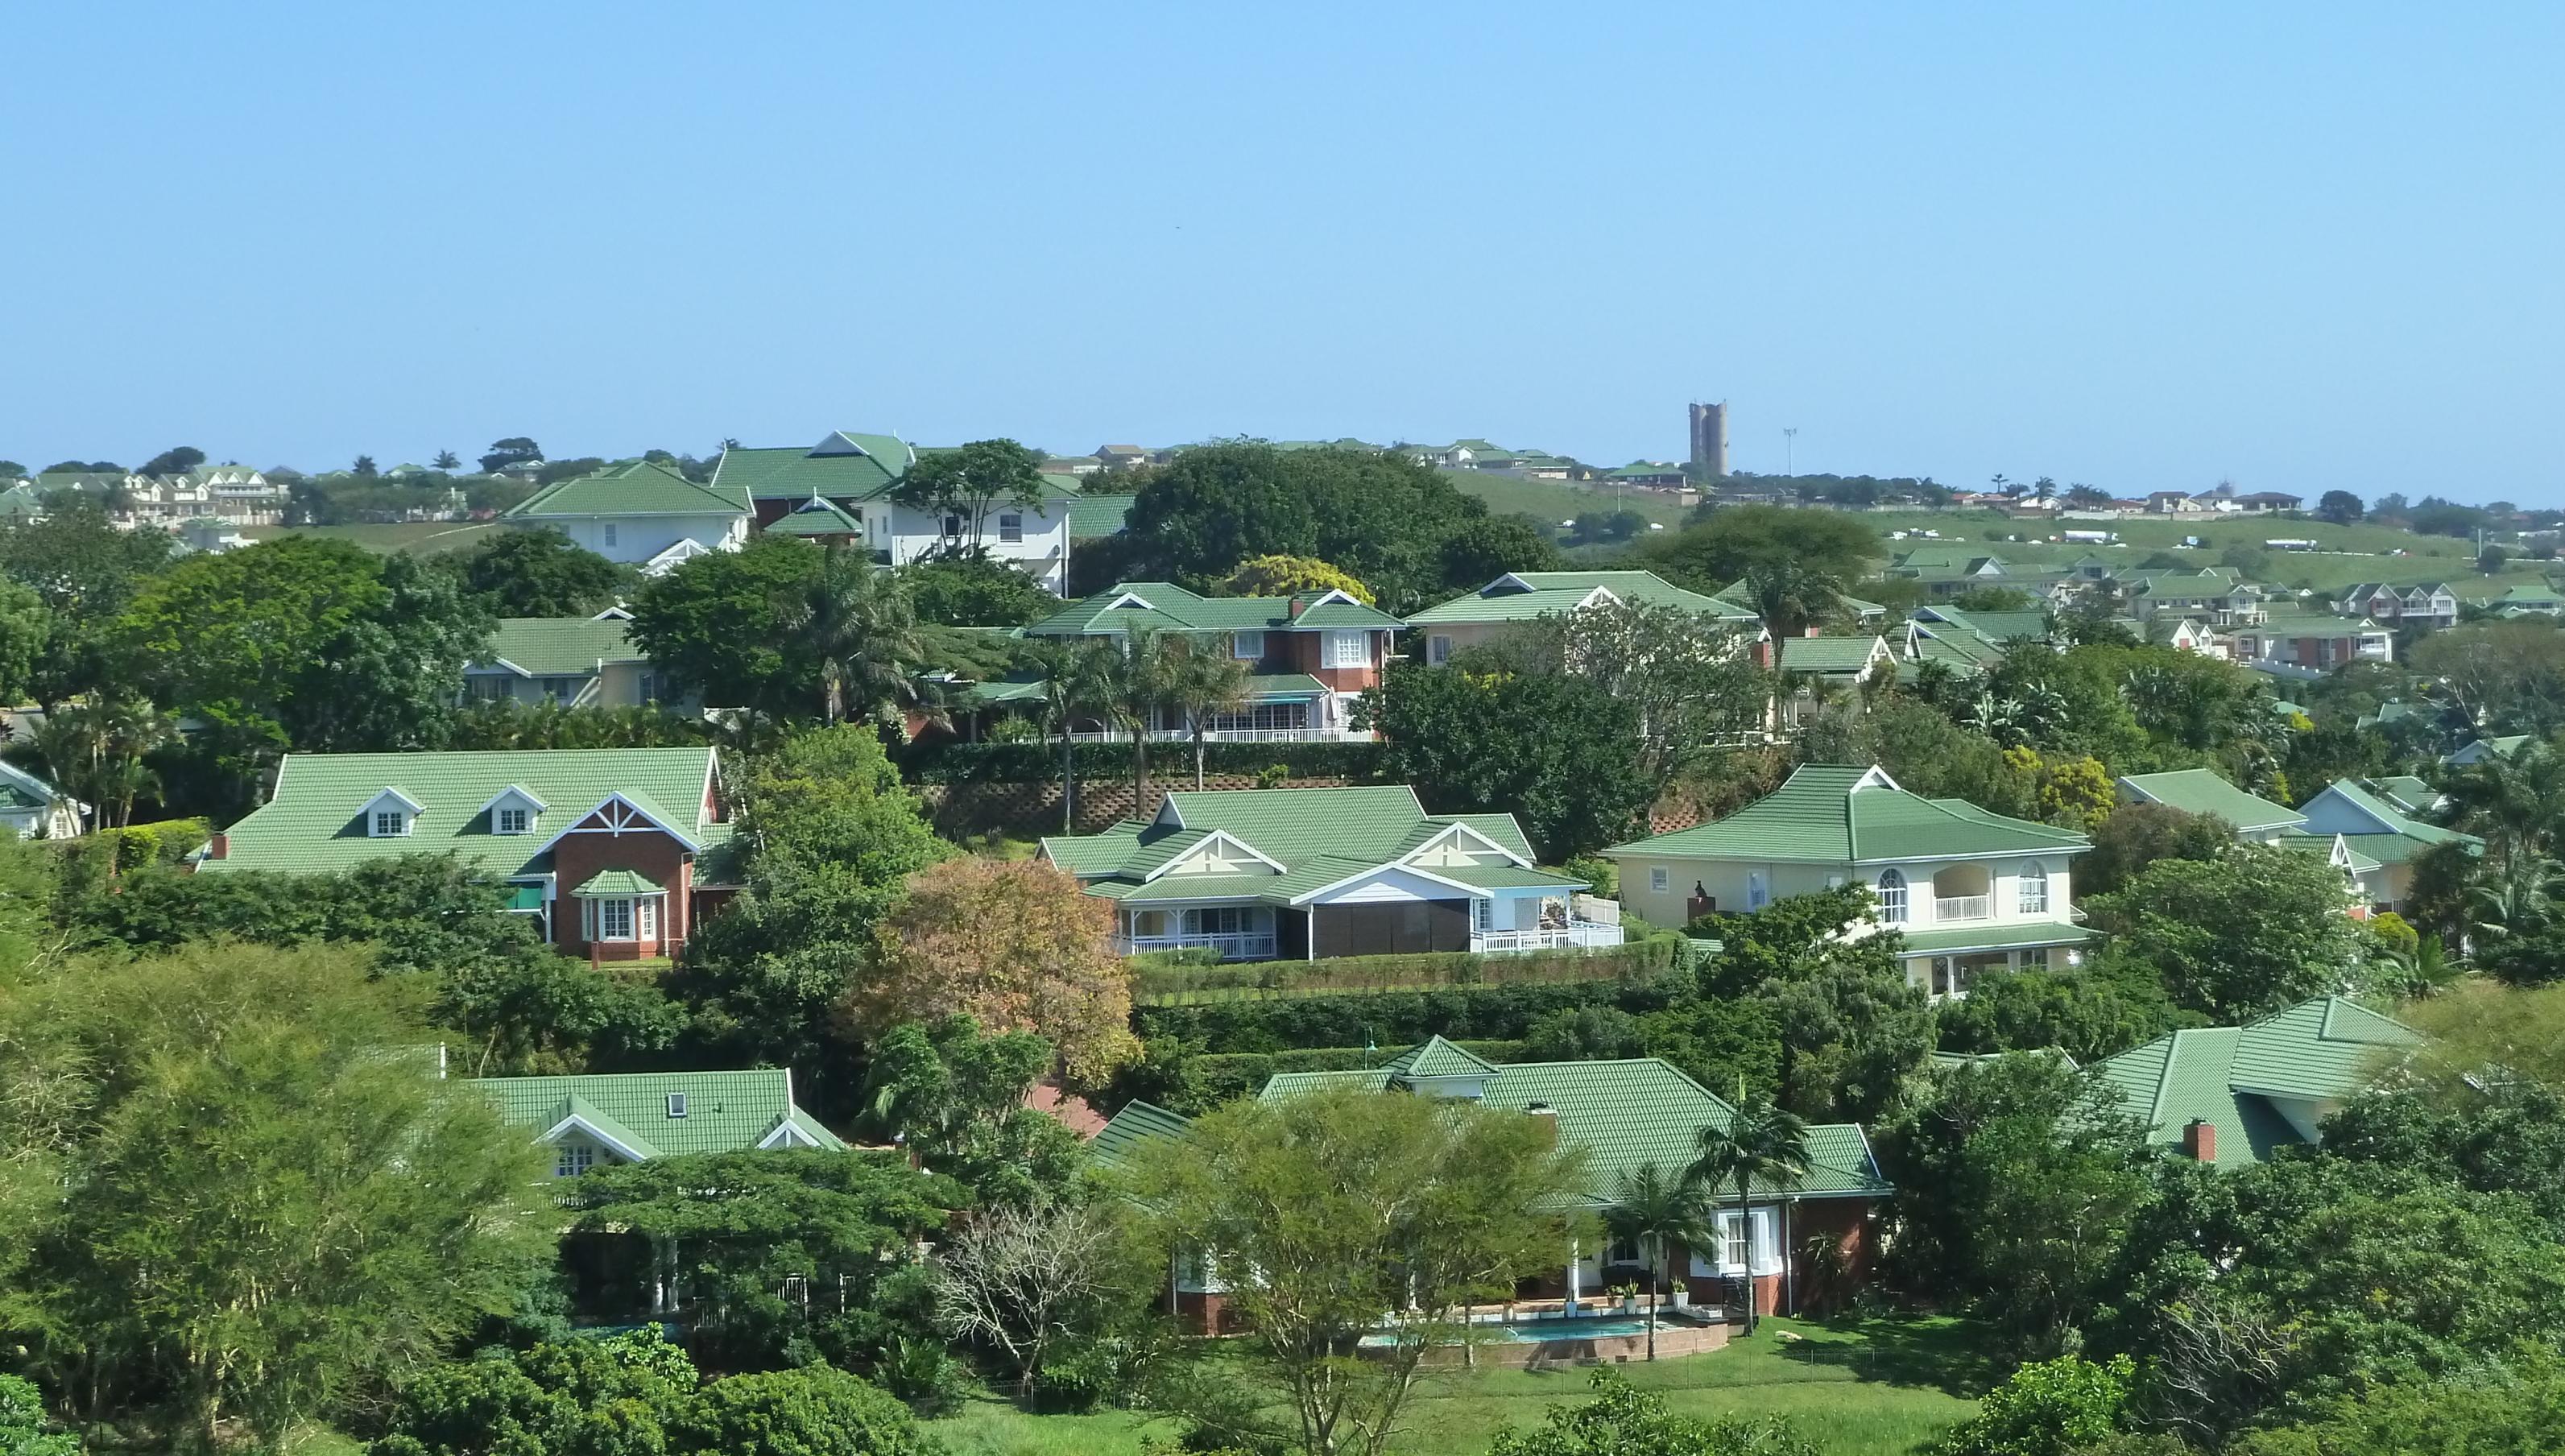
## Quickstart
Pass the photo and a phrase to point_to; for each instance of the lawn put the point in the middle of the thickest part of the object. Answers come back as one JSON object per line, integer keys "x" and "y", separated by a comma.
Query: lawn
{"x": 1553, "y": 501}
{"x": 417, "y": 536}
{"x": 1857, "y": 1388}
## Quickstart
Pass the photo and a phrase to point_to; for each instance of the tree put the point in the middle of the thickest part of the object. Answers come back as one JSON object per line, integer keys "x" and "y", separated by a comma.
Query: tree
{"x": 84, "y": 571}
{"x": 2089, "y": 1013}
{"x": 12, "y": 470}
{"x": 1653, "y": 1211}
{"x": 855, "y": 628}
{"x": 1077, "y": 683}
{"x": 1794, "y": 566}
{"x": 2514, "y": 1404}
{"x": 968, "y": 483}
{"x": 1020, "y": 1279}
{"x": 2139, "y": 834}
{"x": 1203, "y": 682}
{"x": 1016, "y": 945}
{"x": 611, "y": 1397}
{"x": 1560, "y": 754}
{"x": 956, "y": 1098}
{"x": 1760, "y": 1144}
{"x": 2256, "y": 930}
{"x": 363, "y": 469}
{"x": 1138, "y": 683}
{"x": 1690, "y": 679}
{"x": 714, "y": 624}
{"x": 2341, "y": 507}
{"x": 514, "y": 450}
{"x": 974, "y": 591}
{"x": 1346, "y": 1203}
{"x": 538, "y": 573}
{"x": 1484, "y": 547}
{"x": 1289, "y": 576}
{"x": 262, "y": 1209}
{"x": 1623, "y": 1421}
{"x": 446, "y": 460}
{"x": 2015, "y": 1176}
{"x": 2503, "y": 675}
{"x": 95, "y": 752}
{"x": 174, "y": 462}
{"x": 24, "y": 1431}
{"x": 2059, "y": 1407}
{"x": 810, "y": 1411}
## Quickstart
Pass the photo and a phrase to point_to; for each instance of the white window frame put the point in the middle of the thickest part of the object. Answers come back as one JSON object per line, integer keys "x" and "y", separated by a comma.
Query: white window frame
{"x": 512, "y": 819}
{"x": 1010, "y": 527}
{"x": 602, "y": 915}
{"x": 1892, "y": 897}
{"x": 2031, "y": 896}
{"x": 1736, "y": 1242}
{"x": 1482, "y": 915}
{"x": 677, "y": 1105}
{"x": 1349, "y": 647}
{"x": 390, "y": 824}
{"x": 574, "y": 1160}
{"x": 1660, "y": 878}
{"x": 646, "y": 918}
{"x": 1247, "y": 646}
{"x": 1438, "y": 649}
{"x": 609, "y": 533}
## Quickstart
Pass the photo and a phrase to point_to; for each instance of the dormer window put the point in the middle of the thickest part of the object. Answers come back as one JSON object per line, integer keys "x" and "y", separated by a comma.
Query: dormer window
{"x": 514, "y": 820}
{"x": 389, "y": 815}
{"x": 390, "y": 824}
{"x": 514, "y": 811}
{"x": 676, "y": 1104}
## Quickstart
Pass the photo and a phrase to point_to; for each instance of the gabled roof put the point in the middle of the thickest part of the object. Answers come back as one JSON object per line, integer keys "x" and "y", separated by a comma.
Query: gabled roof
{"x": 843, "y": 465}
{"x": 1525, "y": 595}
{"x": 1998, "y": 628}
{"x": 2243, "y": 1081}
{"x": 2480, "y": 749}
{"x": 310, "y": 823}
{"x": 726, "y": 1112}
{"x": 818, "y": 516}
{"x": 2373, "y": 825}
{"x": 1833, "y": 656}
{"x": 1165, "y": 606}
{"x": 560, "y": 647}
{"x": 2199, "y": 791}
{"x": 1827, "y": 814}
{"x": 1135, "y": 1123}
{"x": 635, "y": 488}
{"x": 1435, "y": 1057}
{"x": 1297, "y": 842}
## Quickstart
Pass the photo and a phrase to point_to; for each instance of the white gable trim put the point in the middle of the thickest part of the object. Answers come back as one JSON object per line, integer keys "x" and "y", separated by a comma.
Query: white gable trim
{"x": 1333, "y": 593}
{"x": 786, "y": 1135}
{"x": 1509, "y": 579}
{"x": 2346, "y": 804}
{"x": 575, "y": 1122}
{"x": 1877, "y": 777}
{"x": 514, "y": 791}
{"x": 1467, "y": 892}
{"x": 1215, "y": 836}
{"x": 638, "y": 813}
{"x": 1130, "y": 599}
{"x": 1599, "y": 593}
{"x": 498, "y": 662}
{"x": 1452, "y": 832}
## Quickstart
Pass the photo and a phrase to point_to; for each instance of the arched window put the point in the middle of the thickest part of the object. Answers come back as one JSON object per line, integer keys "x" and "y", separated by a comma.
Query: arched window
{"x": 1892, "y": 897}
{"x": 2035, "y": 890}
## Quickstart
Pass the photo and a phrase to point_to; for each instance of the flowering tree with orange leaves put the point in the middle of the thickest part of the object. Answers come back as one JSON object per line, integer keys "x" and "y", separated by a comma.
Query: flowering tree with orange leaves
{"x": 1016, "y": 946}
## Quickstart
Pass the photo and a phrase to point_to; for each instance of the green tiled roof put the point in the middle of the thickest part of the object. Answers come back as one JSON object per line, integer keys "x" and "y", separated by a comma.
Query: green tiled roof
{"x": 2316, "y": 1054}
{"x": 1169, "y": 607}
{"x": 2406, "y": 792}
{"x": 1318, "y": 836}
{"x": 1435, "y": 1057}
{"x": 636, "y": 488}
{"x": 311, "y": 824}
{"x": 1837, "y": 814}
{"x": 1092, "y": 516}
{"x": 818, "y": 516}
{"x": 18, "y": 500}
{"x": 1525, "y": 595}
{"x": 1135, "y": 1123}
{"x": 2201, "y": 791}
{"x": 2354, "y": 860}
{"x": 848, "y": 465}
{"x": 1997, "y": 627}
{"x": 1996, "y": 935}
{"x": 558, "y": 646}
{"x": 725, "y": 1111}
{"x": 614, "y": 883}
{"x": 1840, "y": 656}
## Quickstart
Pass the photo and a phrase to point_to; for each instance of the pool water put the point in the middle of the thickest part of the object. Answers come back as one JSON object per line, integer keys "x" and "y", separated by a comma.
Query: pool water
{"x": 1535, "y": 1332}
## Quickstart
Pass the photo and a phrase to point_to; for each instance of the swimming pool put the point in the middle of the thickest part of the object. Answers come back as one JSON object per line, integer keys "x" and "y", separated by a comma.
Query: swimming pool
{"x": 1541, "y": 1332}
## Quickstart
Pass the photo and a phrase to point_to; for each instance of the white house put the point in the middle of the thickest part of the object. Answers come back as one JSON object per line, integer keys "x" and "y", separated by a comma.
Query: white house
{"x": 30, "y": 807}
{"x": 1972, "y": 890}
{"x": 860, "y": 473}
{"x": 640, "y": 513}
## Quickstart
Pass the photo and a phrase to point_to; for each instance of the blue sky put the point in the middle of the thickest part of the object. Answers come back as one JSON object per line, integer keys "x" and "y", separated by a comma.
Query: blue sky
{"x": 2141, "y": 246}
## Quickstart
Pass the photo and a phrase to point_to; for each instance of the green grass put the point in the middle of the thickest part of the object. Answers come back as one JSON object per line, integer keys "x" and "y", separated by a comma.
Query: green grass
{"x": 1553, "y": 501}
{"x": 419, "y": 536}
{"x": 1856, "y": 1389}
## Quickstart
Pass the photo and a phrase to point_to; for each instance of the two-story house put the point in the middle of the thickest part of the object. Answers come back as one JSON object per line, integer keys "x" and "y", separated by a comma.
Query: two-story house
{"x": 1521, "y": 596}
{"x": 2429, "y": 606}
{"x": 1971, "y": 890}
{"x": 1260, "y": 875}
{"x": 2374, "y": 820}
{"x": 571, "y": 661}
{"x": 615, "y": 853}
{"x": 1309, "y": 657}
{"x": 639, "y": 513}
{"x": 855, "y": 476}
{"x": 2314, "y": 641}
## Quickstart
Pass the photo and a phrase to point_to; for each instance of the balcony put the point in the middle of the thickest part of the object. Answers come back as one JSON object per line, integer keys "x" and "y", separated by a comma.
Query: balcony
{"x": 1574, "y": 935}
{"x": 1242, "y": 946}
{"x": 1949, "y": 909}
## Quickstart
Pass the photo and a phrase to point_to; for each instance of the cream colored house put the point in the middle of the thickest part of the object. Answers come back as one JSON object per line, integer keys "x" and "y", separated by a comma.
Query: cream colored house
{"x": 1971, "y": 890}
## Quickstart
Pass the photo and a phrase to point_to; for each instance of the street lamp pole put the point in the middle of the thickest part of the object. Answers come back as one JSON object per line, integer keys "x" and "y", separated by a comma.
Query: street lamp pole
{"x": 1790, "y": 451}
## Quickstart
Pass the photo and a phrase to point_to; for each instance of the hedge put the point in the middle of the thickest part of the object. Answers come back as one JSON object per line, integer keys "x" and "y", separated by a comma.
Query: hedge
{"x": 949, "y": 762}
{"x": 1392, "y": 1019}
{"x": 1161, "y": 983}
{"x": 1212, "y": 1079}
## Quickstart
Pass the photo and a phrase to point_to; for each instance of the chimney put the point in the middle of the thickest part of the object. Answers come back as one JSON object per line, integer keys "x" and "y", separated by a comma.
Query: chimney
{"x": 1811, "y": 631}
{"x": 1295, "y": 608}
{"x": 218, "y": 848}
{"x": 2200, "y": 1140}
{"x": 1546, "y": 1118}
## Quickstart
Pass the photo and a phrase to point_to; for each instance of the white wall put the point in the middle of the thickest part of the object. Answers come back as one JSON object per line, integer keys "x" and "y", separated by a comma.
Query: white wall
{"x": 907, "y": 534}
{"x": 1729, "y": 881}
{"x": 639, "y": 538}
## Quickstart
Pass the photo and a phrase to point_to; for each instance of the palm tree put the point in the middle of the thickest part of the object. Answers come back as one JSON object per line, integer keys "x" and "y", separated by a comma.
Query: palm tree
{"x": 2515, "y": 804}
{"x": 2043, "y": 490}
{"x": 94, "y": 750}
{"x": 1203, "y": 683}
{"x": 1138, "y": 687}
{"x": 1654, "y": 1211}
{"x": 1077, "y": 678}
{"x": 857, "y": 627}
{"x": 1763, "y": 1143}
{"x": 1789, "y": 595}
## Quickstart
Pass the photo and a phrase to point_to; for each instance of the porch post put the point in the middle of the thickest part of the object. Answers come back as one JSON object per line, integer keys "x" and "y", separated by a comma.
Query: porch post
{"x": 1576, "y": 1257}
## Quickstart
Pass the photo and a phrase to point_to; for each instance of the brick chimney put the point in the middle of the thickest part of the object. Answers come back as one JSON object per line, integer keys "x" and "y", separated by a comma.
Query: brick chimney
{"x": 218, "y": 848}
{"x": 1547, "y": 1118}
{"x": 2200, "y": 1140}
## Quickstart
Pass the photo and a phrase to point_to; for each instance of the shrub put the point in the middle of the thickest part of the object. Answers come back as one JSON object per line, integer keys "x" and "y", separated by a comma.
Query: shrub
{"x": 949, "y": 762}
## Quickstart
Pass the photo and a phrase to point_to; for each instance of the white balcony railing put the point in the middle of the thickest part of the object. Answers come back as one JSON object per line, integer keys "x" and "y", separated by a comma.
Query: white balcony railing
{"x": 1232, "y": 735}
{"x": 1246, "y": 946}
{"x": 1572, "y": 936}
{"x": 1948, "y": 908}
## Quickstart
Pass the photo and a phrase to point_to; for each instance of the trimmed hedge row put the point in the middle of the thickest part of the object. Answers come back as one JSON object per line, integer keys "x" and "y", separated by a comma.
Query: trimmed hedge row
{"x": 1161, "y": 983}
{"x": 950, "y": 762}
{"x": 1392, "y": 1019}
{"x": 1211, "y": 1081}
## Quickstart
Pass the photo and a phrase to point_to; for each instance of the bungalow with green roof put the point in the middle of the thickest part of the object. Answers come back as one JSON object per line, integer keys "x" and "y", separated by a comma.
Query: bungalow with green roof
{"x": 593, "y": 1122}
{"x": 2539, "y": 601}
{"x": 2233, "y": 1096}
{"x": 33, "y": 809}
{"x": 845, "y": 487}
{"x": 1308, "y": 656}
{"x": 1521, "y": 596}
{"x": 1971, "y": 890}
{"x": 615, "y": 853}
{"x": 2484, "y": 750}
{"x": 2256, "y": 821}
{"x": 1624, "y": 1114}
{"x": 1298, "y": 874}
{"x": 575, "y": 661}
{"x": 639, "y": 513}
{"x": 2372, "y": 827}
